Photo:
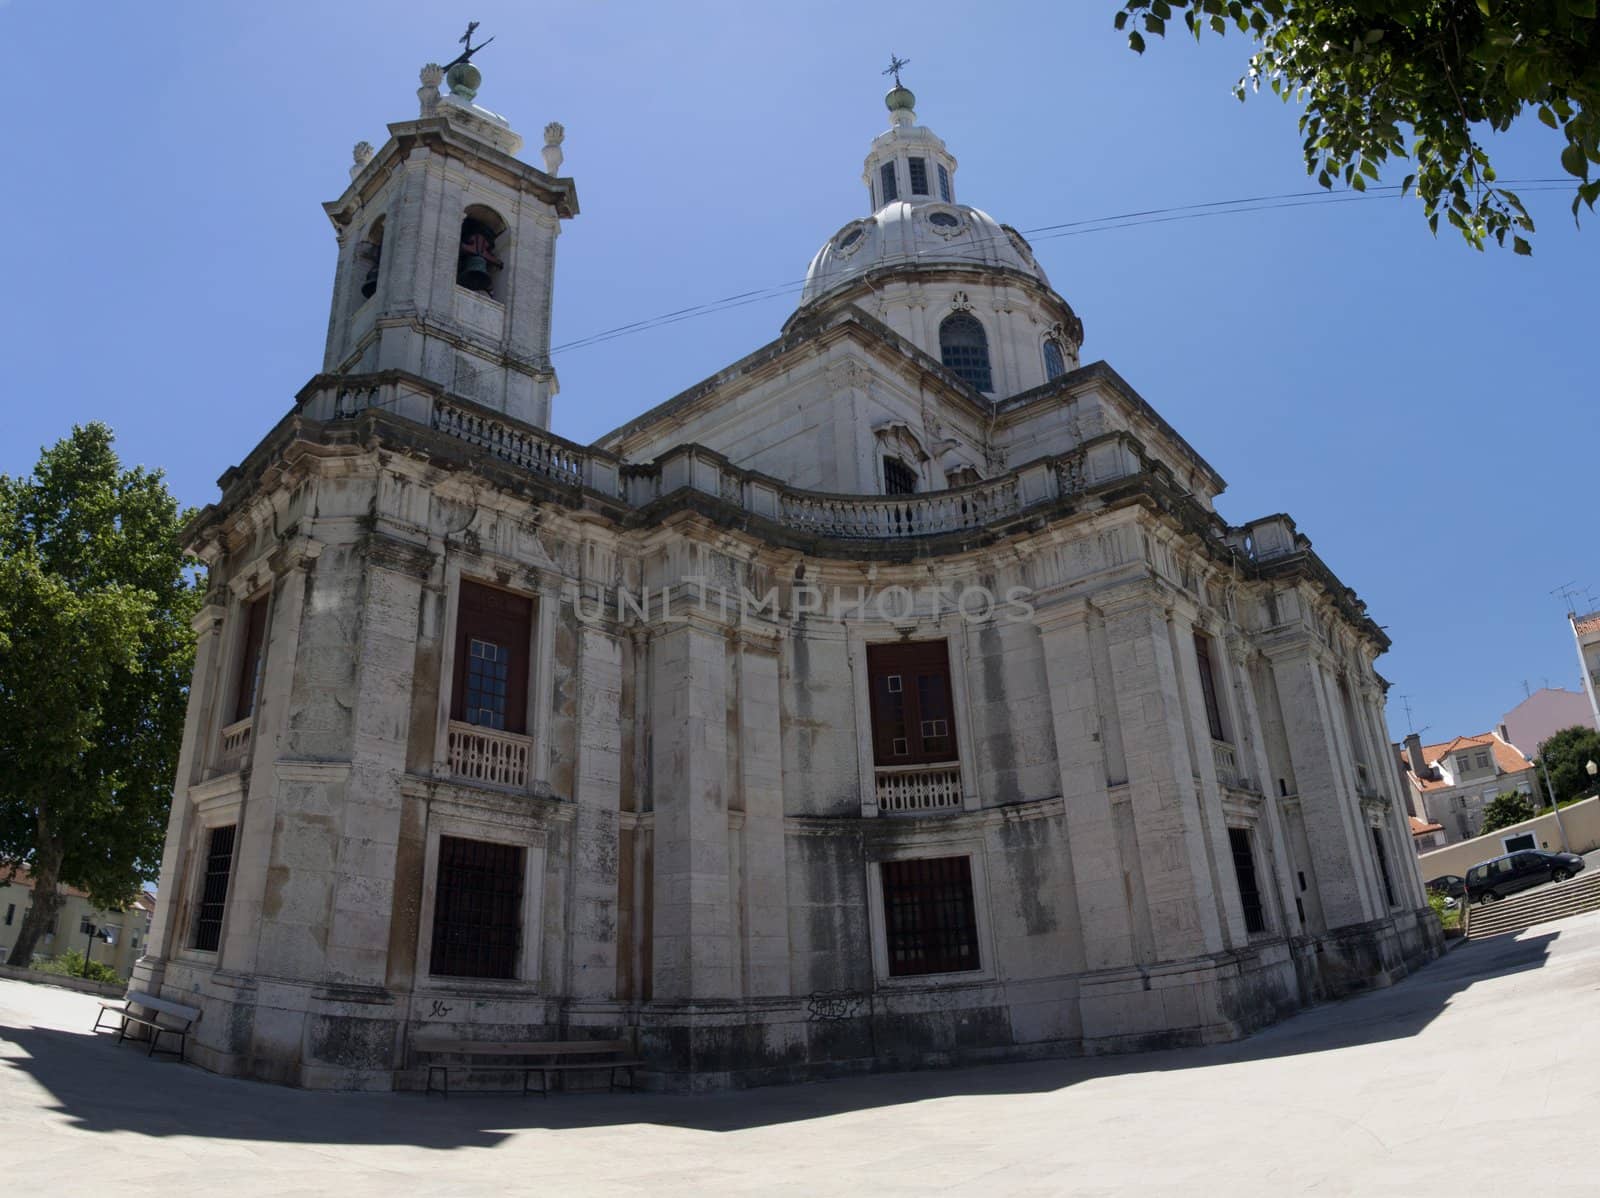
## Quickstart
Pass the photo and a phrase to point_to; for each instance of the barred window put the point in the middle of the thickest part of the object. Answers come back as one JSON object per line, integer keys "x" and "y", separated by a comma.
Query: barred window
{"x": 491, "y": 676}
{"x": 919, "y": 176}
{"x": 913, "y": 715}
{"x": 477, "y": 909}
{"x": 1208, "y": 686}
{"x": 964, "y": 348}
{"x": 214, "y": 888}
{"x": 1383, "y": 865}
{"x": 929, "y": 917}
{"x": 944, "y": 183}
{"x": 886, "y": 174}
{"x": 898, "y": 478}
{"x": 1244, "y": 869}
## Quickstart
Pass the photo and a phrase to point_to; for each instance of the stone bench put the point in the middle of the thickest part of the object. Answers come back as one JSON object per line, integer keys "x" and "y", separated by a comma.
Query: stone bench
{"x": 609, "y": 1055}
{"x": 161, "y": 1016}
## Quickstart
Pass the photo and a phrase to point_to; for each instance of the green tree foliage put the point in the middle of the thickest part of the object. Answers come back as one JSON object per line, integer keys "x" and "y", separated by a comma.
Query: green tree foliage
{"x": 96, "y": 599}
{"x": 1504, "y": 810}
{"x": 1419, "y": 79}
{"x": 70, "y": 965}
{"x": 1565, "y": 755}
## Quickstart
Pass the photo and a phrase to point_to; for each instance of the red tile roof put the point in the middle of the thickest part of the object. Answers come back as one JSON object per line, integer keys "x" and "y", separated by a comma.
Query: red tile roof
{"x": 1505, "y": 756}
{"x": 24, "y": 879}
{"x": 1422, "y": 827}
{"x": 1587, "y": 624}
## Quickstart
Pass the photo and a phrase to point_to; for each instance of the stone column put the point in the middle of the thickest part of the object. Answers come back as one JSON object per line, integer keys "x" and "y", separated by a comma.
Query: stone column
{"x": 592, "y": 958}
{"x": 1166, "y": 802}
{"x": 1078, "y": 713}
{"x": 692, "y": 953}
{"x": 760, "y": 766}
{"x": 1325, "y": 798}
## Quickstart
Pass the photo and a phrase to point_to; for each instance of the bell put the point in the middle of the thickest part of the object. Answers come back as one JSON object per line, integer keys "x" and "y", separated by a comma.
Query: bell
{"x": 473, "y": 273}
{"x": 370, "y": 283}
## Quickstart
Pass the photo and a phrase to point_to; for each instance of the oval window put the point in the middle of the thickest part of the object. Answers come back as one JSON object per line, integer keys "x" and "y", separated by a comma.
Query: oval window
{"x": 850, "y": 238}
{"x": 945, "y": 220}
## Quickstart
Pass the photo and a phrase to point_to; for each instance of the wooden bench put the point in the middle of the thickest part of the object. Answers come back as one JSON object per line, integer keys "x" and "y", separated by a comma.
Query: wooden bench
{"x": 162, "y": 1017}
{"x": 610, "y": 1055}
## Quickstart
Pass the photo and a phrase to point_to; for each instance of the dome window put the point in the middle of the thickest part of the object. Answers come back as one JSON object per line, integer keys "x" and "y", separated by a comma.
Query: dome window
{"x": 944, "y": 183}
{"x": 945, "y": 220}
{"x": 1055, "y": 362}
{"x": 919, "y": 176}
{"x": 964, "y": 349}
{"x": 898, "y": 478}
{"x": 890, "y": 191}
{"x": 850, "y": 237}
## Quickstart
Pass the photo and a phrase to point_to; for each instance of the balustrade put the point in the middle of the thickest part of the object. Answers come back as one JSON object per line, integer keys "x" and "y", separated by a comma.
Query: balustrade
{"x": 919, "y": 788}
{"x": 485, "y": 755}
{"x": 1227, "y": 763}
{"x": 235, "y": 744}
{"x": 518, "y": 445}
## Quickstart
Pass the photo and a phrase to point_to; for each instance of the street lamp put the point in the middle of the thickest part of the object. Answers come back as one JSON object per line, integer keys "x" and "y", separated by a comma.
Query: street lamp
{"x": 103, "y": 934}
{"x": 1554, "y": 806}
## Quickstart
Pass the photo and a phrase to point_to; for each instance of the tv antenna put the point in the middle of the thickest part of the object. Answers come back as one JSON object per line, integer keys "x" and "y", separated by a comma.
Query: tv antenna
{"x": 1567, "y": 590}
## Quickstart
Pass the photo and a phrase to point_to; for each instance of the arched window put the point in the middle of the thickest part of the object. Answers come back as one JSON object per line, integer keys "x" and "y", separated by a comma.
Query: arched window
{"x": 1055, "y": 362}
{"x": 476, "y": 260}
{"x": 964, "y": 348}
{"x": 368, "y": 255}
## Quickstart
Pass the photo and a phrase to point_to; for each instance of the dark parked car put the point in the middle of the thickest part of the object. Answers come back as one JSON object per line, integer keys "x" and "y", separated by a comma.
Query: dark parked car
{"x": 1517, "y": 871}
{"x": 1450, "y": 885}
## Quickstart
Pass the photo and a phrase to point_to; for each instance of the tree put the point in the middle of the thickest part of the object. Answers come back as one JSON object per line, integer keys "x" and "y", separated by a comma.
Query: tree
{"x": 96, "y": 599}
{"x": 1565, "y": 755}
{"x": 1420, "y": 79}
{"x": 1505, "y": 809}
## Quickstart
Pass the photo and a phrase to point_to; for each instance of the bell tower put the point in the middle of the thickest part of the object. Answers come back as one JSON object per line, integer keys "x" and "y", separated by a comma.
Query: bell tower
{"x": 447, "y": 252}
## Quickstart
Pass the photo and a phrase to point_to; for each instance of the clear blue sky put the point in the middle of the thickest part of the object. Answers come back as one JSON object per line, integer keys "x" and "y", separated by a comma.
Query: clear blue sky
{"x": 1427, "y": 414}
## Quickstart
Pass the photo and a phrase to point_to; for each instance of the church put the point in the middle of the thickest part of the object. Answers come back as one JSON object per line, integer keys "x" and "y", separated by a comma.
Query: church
{"x": 894, "y": 697}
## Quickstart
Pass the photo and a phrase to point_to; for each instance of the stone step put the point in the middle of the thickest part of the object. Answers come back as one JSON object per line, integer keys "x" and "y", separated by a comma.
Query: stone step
{"x": 1556, "y": 902}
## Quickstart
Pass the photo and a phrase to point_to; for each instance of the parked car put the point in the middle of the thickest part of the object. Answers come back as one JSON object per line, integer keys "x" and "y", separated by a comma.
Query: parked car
{"x": 1452, "y": 886}
{"x": 1492, "y": 880}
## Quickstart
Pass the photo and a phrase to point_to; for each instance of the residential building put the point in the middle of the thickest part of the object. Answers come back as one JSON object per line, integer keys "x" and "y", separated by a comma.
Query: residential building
{"x": 1586, "y": 636}
{"x": 1451, "y": 783}
{"x": 895, "y": 696}
{"x": 1542, "y": 714}
{"x": 128, "y": 929}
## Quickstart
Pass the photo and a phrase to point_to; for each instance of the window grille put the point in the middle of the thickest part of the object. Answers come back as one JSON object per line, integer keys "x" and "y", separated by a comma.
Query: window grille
{"x": 919, "y": 176}
{"x": 1244, "y": 869}
{"x": 929, "y": 917}
{"x": 944, "y": 183}
{"x": 477, "y": 909}
{"x": 898, "y": 478}
{"x": 1055, "y": 362}
{"x": 1383, "y": 865}
{"x": 964, "y": 348}
{"x": 886, "y": 174}
{"x": 912, "y": 709}
{"x": 214, "y": 889}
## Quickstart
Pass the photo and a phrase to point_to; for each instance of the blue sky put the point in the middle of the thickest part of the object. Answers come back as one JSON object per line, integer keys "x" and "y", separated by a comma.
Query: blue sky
{"x": 1426, "y": 413}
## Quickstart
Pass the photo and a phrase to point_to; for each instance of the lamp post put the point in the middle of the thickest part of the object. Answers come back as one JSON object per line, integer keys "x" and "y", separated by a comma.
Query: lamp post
{"x": 1554, "y": 806}
{"x": 1592, "y": 769}
{"x": 88, "y": 948}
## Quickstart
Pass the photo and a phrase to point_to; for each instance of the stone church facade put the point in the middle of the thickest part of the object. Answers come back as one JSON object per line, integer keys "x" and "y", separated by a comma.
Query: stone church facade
{"x": 896, "y": 696}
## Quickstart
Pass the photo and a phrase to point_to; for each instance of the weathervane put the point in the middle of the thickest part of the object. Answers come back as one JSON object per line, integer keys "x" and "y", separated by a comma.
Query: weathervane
{"x": 466, "y": 40}
{"x": 894, "y": 68}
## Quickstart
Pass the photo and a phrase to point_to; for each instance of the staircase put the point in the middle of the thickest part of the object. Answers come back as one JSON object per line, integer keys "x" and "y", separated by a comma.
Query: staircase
{"x": 1572, "y": 897}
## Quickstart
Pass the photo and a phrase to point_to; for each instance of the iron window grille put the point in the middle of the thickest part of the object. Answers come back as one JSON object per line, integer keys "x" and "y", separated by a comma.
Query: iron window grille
{"x": 214, "y": 888}
{"x": 964, "y": 349}
{"x": 1244, "y": 869}
{"x": 890, "y": 191}
{"x": 919, "y": 176}
{"x": 477, "y": 909}
{"x": 898, "y": 478}
{"x": 930, "y": 919}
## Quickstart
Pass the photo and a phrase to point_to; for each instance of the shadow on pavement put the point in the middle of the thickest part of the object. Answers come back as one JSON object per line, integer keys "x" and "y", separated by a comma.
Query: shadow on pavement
{"x": 107, "y": 1087}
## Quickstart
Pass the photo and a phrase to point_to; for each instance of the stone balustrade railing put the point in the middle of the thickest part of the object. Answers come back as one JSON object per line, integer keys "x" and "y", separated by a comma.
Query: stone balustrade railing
{"x": 871, "y": 517}
{"x": 1227, "y": 763}
{"x": 478, "y": 754}
{"x": 913, "y": 789}
{"x": 235, "y": 744}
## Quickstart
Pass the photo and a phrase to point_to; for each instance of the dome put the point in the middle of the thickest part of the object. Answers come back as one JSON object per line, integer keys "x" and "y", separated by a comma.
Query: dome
{"x": 917, "y": 233}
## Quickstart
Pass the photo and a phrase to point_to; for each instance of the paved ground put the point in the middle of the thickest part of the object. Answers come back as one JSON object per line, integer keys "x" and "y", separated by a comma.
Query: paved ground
{"x": 1479, "y": 1074}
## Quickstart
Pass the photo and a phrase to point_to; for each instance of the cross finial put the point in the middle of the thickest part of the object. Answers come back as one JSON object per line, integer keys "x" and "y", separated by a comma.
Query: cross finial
{"x": 466, "y": 40}
{"x": 895, "y": 65}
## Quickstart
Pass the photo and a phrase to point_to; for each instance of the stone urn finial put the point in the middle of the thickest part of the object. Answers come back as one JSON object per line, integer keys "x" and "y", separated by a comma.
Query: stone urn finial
{"x": 362, "y": 154}
{"x": 428, "y": 94}
{"x": 554, "y": 134}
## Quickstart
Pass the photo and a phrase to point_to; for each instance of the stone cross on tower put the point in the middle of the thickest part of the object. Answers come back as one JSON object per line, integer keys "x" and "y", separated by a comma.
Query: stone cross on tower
{"x": 895, "y": 66}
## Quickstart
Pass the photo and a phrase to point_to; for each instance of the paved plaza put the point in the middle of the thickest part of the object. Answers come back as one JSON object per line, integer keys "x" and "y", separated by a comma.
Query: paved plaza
{"x": 1479, "y": 1074}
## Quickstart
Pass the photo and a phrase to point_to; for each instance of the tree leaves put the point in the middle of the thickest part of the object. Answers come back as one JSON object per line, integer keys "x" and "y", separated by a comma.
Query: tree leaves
{"x": 1382, "y": 80}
